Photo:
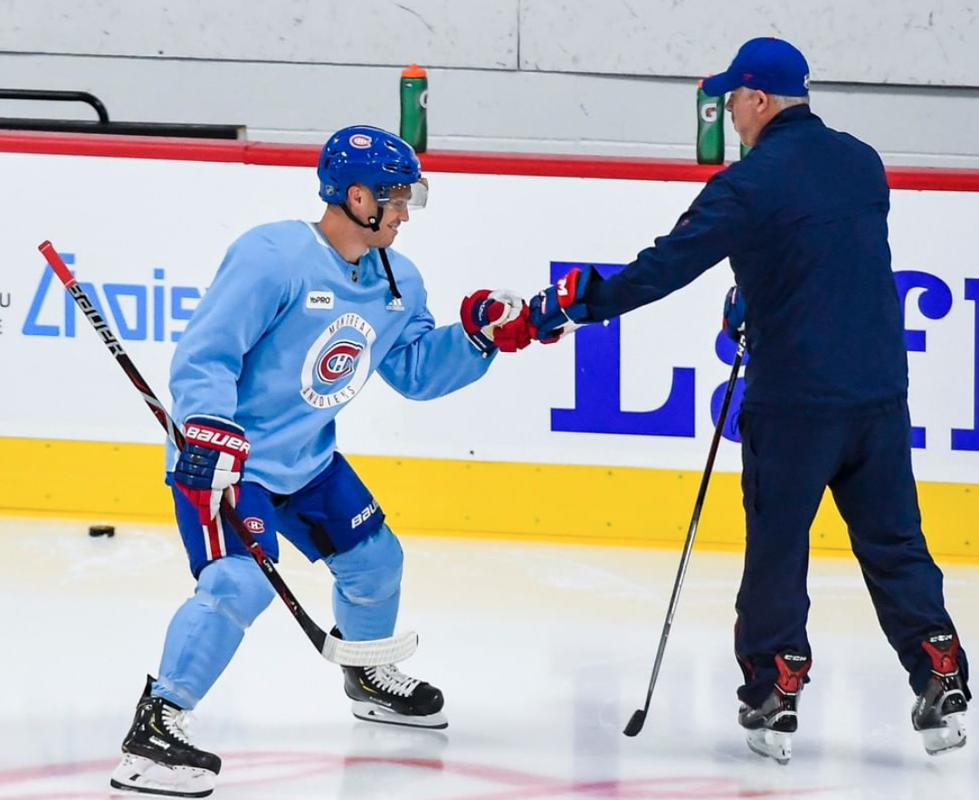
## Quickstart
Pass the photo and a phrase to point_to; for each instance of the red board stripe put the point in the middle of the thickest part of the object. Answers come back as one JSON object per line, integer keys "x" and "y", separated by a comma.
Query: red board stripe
{"x": 480, "y": 163}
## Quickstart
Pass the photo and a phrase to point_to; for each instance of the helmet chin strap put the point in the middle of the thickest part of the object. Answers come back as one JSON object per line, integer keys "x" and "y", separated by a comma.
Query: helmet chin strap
{"x": 373, "y": 222}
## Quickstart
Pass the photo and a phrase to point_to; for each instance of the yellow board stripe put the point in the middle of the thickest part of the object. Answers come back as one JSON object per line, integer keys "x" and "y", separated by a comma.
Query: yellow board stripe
{"x": 554, "y": 502}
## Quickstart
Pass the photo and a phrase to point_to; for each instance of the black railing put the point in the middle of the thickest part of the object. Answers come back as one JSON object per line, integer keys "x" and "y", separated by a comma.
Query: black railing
{"x": 103, "y": 124}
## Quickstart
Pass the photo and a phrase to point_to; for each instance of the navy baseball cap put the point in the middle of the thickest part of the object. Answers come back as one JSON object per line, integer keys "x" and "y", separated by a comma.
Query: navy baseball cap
{"x": 766, "y": 63}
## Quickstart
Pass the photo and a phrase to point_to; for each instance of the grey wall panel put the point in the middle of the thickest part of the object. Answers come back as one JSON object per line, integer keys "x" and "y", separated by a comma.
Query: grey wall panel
{"x": 478, "y": 109}
{"x": 295, "y": 70}
{"x": 870, "y": 41}
{"x": 431, "y": 32}
{"x": 262, "y": 96}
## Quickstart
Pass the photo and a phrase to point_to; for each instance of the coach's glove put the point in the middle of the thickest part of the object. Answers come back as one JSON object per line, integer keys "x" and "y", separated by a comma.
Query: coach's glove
{"x": 495, "y": 319}
{"x": 211, "y": 462}
{"x": 733, "y": 323}
{"x": 560, "y": 309}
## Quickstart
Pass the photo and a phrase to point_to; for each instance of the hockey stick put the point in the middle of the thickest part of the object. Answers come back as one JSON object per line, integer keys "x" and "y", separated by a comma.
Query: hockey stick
{"x": 638, "y": 719}
{"x": 351, "y": 654}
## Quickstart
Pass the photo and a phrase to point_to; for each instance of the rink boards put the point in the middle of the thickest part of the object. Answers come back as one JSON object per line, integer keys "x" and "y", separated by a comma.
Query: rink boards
{"x": 599, "y": 438}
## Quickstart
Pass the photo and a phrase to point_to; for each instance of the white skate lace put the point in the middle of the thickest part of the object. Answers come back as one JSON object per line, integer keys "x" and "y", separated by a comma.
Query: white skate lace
{"x": 392, "y": 680}
{"x": 177, "y": 722}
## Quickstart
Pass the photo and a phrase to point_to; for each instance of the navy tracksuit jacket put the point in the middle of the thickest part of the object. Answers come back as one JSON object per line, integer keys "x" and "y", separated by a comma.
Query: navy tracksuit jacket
{"x": 803, "y": 220}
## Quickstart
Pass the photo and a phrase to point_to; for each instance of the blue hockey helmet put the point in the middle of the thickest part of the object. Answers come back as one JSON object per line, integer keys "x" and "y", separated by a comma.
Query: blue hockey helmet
{"x": 373, "y": 157}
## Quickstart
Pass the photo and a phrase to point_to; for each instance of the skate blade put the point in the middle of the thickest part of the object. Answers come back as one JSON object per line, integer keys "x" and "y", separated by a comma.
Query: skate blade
{"x": 145, "y": 776}
{"x": 370, "y": 712}
{"x": 771, "y": 744}
{"x": 951, "y": 736}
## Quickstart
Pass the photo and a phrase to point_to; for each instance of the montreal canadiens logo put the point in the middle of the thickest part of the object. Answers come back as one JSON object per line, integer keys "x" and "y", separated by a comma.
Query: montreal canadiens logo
{"x": 338, "y": 361}
{"x": 254, "y": 524}
{"x": 361, "y": 141}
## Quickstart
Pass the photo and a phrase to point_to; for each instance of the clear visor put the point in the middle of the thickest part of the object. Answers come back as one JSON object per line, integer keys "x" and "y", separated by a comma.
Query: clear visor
{"x": 404, "y": 196}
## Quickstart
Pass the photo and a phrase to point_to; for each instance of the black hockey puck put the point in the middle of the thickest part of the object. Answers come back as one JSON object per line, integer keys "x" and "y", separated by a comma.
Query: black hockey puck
{"x": 101, "y": 530}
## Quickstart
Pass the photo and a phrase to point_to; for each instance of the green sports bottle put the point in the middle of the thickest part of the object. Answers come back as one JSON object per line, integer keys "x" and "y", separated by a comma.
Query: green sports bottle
{"x": 710, "y": 127}
{"x": 414, "y": 107}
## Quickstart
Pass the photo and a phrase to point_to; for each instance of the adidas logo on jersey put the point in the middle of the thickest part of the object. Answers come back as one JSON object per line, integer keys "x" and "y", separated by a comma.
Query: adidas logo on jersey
{"x": 320, "y": 300}
{"x": 396, "y": 305}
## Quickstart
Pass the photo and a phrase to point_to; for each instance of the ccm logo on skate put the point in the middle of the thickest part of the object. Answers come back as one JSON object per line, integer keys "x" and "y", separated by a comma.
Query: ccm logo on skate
{"x": 364, "y": 515}
{"x": 320, "y": 300}
{"x": 254, "y": 524}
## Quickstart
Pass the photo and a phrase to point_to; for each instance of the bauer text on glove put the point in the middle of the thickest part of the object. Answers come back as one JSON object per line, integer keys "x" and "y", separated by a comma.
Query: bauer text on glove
{"x": 211, "y": 462}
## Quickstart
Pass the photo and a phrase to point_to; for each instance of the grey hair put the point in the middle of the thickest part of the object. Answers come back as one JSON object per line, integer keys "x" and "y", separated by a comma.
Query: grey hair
{"x": 783, "y": 102}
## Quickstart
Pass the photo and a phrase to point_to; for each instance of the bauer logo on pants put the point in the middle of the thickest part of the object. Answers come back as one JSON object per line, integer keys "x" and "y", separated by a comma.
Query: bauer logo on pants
{"x": 364, "y": 515}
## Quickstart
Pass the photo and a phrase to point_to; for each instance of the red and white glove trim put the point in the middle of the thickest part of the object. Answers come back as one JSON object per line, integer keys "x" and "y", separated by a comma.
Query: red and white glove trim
{"x": 217, "y": 438}
{"x": 211, "y": 462}
{"x": 484, "y": 313}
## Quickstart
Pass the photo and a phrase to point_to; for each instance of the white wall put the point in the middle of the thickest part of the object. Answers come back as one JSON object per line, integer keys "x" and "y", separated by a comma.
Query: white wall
{"x": 595, "y": 76}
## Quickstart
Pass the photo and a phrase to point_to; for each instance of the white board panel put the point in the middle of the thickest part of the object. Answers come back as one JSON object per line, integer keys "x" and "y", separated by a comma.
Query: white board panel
{"x": 160, "y": 228}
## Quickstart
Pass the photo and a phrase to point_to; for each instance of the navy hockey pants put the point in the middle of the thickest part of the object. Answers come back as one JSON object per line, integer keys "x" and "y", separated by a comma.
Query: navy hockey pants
{"x": 864, "y": 457}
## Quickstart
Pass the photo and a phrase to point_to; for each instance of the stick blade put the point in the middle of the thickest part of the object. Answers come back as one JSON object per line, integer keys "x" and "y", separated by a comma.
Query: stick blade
{"x": 373, "y": 653}
{"x": 636, "y": 721}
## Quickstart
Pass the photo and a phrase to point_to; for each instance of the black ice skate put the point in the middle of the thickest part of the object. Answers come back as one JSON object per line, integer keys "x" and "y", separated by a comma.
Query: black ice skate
{"x": 939, "y": 711}
{"x": 158, "y": 757}
{"x": 771, "y": 725}
{"x": 386, "y": 694}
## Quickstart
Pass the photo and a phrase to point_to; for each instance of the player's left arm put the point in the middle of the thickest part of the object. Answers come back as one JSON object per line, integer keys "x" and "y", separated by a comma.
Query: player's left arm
{"x": 428, "y": 362}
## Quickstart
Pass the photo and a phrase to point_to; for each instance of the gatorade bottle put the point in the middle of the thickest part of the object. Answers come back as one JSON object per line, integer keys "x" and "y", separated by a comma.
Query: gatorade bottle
{"x": 414, "y": 107}
{"x": 710, "y": 127}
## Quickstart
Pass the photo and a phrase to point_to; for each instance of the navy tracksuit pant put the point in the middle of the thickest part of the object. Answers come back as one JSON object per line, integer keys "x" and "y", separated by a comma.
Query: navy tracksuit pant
{"x": 864, "y": 457}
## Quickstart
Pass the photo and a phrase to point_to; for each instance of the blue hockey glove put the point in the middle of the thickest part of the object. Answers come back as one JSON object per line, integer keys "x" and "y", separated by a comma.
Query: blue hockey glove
{"x": 495, "y": 320}
{"x": 211, "y": 462}
{"x": 733, "y": 323}
{"x": 560, "y": 308}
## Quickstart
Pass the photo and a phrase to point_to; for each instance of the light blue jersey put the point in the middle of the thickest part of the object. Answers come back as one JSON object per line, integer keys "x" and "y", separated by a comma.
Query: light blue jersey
{"x": 289, "y": 333}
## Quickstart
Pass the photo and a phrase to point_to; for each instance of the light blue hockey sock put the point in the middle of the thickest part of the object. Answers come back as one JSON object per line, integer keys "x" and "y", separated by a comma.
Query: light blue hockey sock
{"x": 207, "y": 629}
{"x": 367, "y": 588}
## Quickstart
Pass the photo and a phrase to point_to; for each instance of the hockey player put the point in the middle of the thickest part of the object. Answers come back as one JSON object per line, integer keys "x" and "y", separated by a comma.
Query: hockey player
{"x": 803, "y": 220}
{"x": 298, "y": 317}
